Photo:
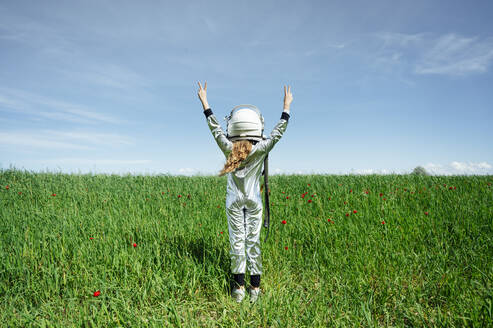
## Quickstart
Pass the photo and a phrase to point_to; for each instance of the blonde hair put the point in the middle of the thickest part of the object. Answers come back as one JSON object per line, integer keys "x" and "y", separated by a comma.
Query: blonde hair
{"x": 240, "y": 151}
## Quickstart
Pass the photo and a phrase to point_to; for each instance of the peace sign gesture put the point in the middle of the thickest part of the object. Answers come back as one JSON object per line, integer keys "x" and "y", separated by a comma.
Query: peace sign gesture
{"x": 288, "y": 98}
{"x": 203, "y": 95}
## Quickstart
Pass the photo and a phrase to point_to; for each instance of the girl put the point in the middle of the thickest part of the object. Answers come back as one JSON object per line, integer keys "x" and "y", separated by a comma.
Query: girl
{"x": 244, "y": 164}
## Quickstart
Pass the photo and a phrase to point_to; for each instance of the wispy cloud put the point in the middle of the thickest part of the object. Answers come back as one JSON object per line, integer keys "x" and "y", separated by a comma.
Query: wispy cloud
{"x": 40, "y": 37}
{"x": 66, "y": 46}
{"x": 391, "y": 39}
{"x": 424, "y": 53}
{"x": 32, "y": 140}
{"x": 19, "y": 101}
{"x": 98, "y": 138}
{"x": 323, "y": 49}
{"x": 456, "y": 55}
{"x": 91, "y": 162}
{"x": 49, "y": 139}
{"x": 107, "y": 75}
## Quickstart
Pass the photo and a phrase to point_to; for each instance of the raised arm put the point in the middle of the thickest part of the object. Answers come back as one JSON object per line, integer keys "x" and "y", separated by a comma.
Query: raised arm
{"x": 278, "y": 131}
{"x": 217, "y": 132}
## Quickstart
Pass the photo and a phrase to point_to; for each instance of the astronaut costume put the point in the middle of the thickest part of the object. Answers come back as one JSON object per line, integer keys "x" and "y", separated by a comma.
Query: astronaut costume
{"x": 243, "y": 200}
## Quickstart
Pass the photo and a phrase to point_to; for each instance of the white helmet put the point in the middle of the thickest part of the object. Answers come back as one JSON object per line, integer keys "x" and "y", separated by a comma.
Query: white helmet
{"x": 245, "y": 122}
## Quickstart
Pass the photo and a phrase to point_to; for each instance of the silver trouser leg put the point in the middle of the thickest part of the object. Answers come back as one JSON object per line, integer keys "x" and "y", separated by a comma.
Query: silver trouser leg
{"x": 236, "y": 227}
{"x": 253, "y": 217}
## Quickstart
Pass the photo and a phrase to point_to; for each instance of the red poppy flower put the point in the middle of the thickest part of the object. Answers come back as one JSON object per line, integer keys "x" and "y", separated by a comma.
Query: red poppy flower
{"x": 134, "y": 245}
{"x": 366, "y": 192}
{"x": 7, "y": 187}
{"x": 283, "y": 192}
{"x": 384, "y": 198}
{"x": 313, "y": 195}
{"x": 96, "y": 293}
{"x": 222, "y": 232}
{"x": 330, "y": 221}
{"x": 283, "y": 222}
{"x": 91, "y": 238}
{"x": 53, "y": 194}
{"x": 286, "y": 247}
{"x": 455, "y": 188}
{"x": 426, "y": 213}
{"x": 179, "y": 196}
{"x": 450, "y": 188}
{"x": 309, "y": 185}
{"x": 351, "y": 190}
{"x": 329, "y": 198}
{"x": 347, "y": 214}
{"x": 309, "y": 201}
{"x": 287, "y": 197}
{"x": 381, "y": 194}
{"x": 383, "y": 222}
{"x": 355, "y": 211}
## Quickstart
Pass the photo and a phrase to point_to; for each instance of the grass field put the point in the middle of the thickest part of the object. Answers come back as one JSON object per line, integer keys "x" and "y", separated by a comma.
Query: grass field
{"x": 393, "y": 250}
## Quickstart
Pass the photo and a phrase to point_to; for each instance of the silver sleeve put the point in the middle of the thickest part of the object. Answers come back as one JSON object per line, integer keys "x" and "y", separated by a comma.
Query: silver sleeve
{"x": 217, "y": 132}
{"x": 275, "y": 135}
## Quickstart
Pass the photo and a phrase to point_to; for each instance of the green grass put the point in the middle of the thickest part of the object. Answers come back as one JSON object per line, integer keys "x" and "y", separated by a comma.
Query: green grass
{"x": 414, "y": 270}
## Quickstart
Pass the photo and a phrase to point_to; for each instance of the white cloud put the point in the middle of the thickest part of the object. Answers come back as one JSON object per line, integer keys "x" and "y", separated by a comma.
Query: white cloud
{"x": 94, "y": 137}
{"x": 19, "y": 139}
{"x": 107, "y": 75}
{"x": 459, "y": 168}
{"x": 401, "y": 39}
{"x": 456, "y": 55}
{"x": 19, "y": 101}
{"x": 187, "y": 171}
{"x": 324, "y": 49}
{"x": 372, "y": 171}
{"x": 92, "y": 162}
{"x": 63, "y": 139}
{"x": 449, "y": 54}
{"x": 19, "y": 28}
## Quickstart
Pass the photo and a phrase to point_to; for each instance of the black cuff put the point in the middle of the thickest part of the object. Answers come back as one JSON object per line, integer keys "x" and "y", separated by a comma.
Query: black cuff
{"x": 207, "y": 112}
{"x": 239, "y": 279}
{"x": 285, "y": 116}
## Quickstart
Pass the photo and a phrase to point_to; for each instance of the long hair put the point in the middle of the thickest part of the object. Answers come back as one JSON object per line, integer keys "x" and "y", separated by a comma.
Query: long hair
{"x": 240, "y": 151}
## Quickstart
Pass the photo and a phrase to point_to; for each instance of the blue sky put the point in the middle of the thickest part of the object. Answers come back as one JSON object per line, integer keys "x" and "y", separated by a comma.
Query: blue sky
{"x": 378, "y": 86}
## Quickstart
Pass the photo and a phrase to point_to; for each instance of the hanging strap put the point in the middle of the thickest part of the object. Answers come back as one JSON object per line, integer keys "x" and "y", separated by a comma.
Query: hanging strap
{"x": 267, "y": 203}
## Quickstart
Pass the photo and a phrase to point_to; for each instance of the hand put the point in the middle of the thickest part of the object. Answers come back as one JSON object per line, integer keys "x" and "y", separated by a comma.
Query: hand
{"x": 288, "y": 98}
{"x": 203, "y": 95}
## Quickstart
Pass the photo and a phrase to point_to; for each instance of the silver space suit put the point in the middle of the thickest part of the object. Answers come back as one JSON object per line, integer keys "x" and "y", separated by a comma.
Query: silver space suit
{"x": 243, "y": 200}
